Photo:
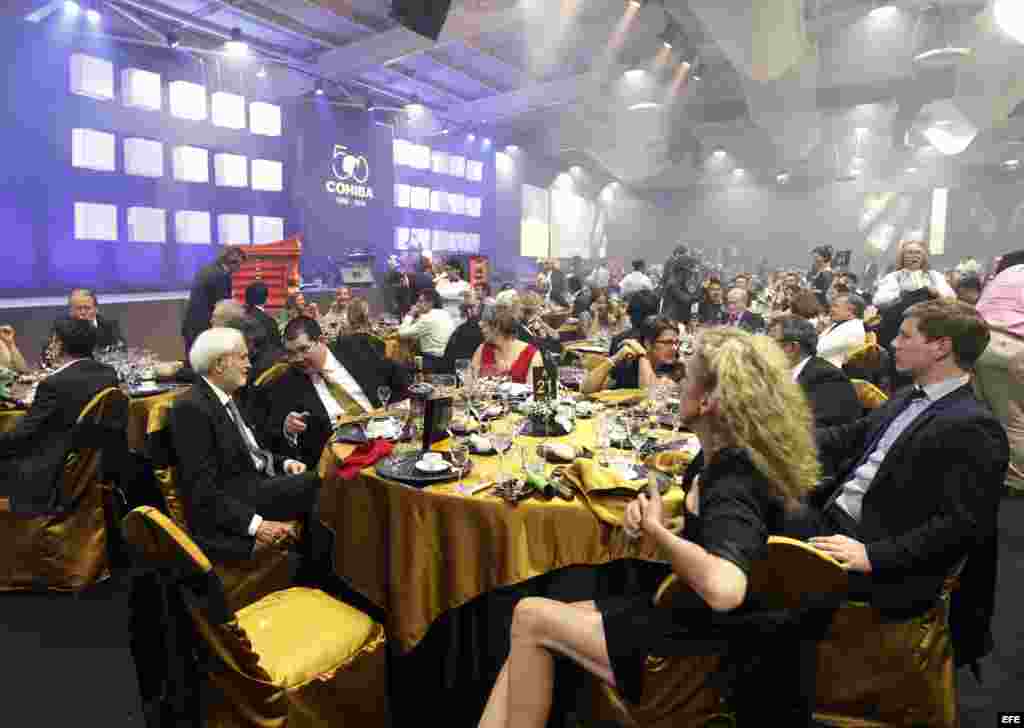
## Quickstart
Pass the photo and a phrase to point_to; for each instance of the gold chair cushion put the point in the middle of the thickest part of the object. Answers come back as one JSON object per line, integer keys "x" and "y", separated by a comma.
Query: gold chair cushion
{"x": 303, "y": 634}
{"x": 870, "y": 396}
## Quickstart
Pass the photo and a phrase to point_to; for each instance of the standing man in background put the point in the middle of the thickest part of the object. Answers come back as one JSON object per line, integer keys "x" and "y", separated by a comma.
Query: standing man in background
{"x": 211, "y": 284}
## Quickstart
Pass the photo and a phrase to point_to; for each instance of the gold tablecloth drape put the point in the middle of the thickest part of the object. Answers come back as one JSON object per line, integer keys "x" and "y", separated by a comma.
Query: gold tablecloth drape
{"x": 419, "y": 553}
{"x": 138, "y": 415}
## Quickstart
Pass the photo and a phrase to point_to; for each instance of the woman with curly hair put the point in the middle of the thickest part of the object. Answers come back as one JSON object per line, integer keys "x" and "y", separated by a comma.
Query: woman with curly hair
{"x": 759, "y": 460}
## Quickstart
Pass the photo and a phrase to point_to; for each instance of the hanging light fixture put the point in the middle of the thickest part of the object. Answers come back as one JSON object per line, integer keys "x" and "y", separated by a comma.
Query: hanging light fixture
{"x": 1009, "y": 15}
{"x": 935, "y": 38}
{"x": 236, "y": 46}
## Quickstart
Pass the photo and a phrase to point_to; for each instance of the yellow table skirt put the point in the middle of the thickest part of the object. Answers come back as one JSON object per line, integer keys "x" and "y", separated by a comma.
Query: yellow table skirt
{"x": 419, "y": 553}
{"x": 138, "y": 415}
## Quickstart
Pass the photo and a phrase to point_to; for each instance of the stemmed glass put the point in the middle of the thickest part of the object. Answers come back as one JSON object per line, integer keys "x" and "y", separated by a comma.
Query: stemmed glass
{"x": 462, "y": 370}
{"x": 502, "y": 436}
{"x": 637, "y": 424}
{"x": 384, "y": 395}
{"x": 602, "y": 436}
{"x": 459, "y": 452}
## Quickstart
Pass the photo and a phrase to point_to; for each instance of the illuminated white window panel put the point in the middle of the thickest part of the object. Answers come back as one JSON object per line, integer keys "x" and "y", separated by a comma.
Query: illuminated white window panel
{"x": 91, "y": 76}
{"x": 227, "y": 110}
{"x": 231, "y": 170}
{"x": 439, "y": 162}
{"x": 456, "y": 203}
{"x": 143, "y": 157}
{"x": 267, "y": 175}
{"x": 419, "y": 199}
{"x": 267, "y": 229}
{"x": 95, "y": 221}
{"x": 462, "y": 241}
{"x": 473, "y": 206}
{"x": 441, "y": 240}
{"x": 147, "y": 225}
{"x": 187, "y": 100}
{"x": 420, "y": 156}
{"x": 402, "y": 194}
{"x": 474, "y": 170}
{"x": 438, "y": 201}
{"x": 474, "y": 243}
{"x": 264, "y": 118}
{"x": 191, "y": 164}
{"x": 91, "y": 149}
{"x": 457, "y": 166}
{"x": 192, "y": 227}
{"x": 141, "y": 89}
{"x": 419, "y": 239}
{"x": 401, "y": 151}
{"x": 233, "y": 229}
{"x": 402, "y": 238}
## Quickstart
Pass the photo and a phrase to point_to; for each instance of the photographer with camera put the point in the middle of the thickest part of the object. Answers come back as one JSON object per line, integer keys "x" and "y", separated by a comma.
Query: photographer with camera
{"x": 680, "y": 285}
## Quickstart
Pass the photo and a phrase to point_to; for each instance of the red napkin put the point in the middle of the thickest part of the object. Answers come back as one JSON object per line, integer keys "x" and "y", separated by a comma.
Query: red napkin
{"x": 363, "y": 457}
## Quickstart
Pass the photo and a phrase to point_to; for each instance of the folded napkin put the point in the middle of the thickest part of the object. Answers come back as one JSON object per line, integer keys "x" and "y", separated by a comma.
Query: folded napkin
{"x": 620, "y": 396}
{"x": 604, "y": 492}
{"x": 363, "y": 457}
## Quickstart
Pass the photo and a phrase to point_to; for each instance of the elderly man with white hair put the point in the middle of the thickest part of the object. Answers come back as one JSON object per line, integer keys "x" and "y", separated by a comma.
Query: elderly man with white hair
{"x": 238, "y": 496}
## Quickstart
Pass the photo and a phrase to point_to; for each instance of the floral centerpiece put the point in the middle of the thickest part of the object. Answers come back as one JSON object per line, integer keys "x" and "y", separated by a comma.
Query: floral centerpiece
{"x": 7, "y": 378}
{"x": 551, "y": 417}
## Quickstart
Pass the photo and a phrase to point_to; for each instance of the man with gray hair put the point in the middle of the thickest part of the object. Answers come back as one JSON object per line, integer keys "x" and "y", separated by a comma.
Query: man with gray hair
{"x": 238, "y": 496}
{"x": 225, "y": 311}
{"x": 832, "y": 397}
{"x": 846, "y": 334}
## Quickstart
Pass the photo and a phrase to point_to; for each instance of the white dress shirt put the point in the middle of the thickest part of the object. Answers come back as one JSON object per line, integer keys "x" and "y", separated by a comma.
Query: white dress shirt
{"x": 635, "y": 281}
{"x": 432, "y": 330}
{"x": 893, "y": 285}
{"x": 853, "y": 490}
{"x": 837, "y": 343}
{"x": 224, "y": 397}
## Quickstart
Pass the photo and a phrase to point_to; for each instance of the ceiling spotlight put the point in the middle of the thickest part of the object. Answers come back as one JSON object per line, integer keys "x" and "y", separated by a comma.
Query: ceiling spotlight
{"x": 911, "y": 170}
{"x": 71, "y": 8}
{"x": 444, "y": 132}
{"x": 262, "y": 73}
{"x": 718, "y": 154}
{"x": 644, "y": 105}
{"x": 414, "y": 108}
{"x": 782, "y": 178}
{"x": 739, "y": 172}
{"x": 1011, "y": 163}
{"x": 634, "y": 74}
{"x": 236, "y": 46}
{"x": 883, "y": 10}
{"x": 471, "y": 137}
{"x": 173, "y": 41}
{"x": 1009, "y": 15}
{"x": 93, "y": 15}
{"x": 487, "y": 142}
{"x": 511, "y": 149}
{"x": 319, "y": 88}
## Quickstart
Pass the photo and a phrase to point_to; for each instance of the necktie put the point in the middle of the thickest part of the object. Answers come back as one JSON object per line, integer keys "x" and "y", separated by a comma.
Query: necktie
{"x": 251, "y": 445}
{"x": 342, "y": 397}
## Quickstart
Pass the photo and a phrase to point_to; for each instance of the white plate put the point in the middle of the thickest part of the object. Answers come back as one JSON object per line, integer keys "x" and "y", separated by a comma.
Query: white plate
{"x": 623, "y": 468}
{"x": 386, "y": 427}
{"x": 425, "y": 467}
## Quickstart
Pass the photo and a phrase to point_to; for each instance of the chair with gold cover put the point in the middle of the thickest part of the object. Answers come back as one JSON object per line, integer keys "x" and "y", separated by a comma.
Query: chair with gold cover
{"x": 870, "y": 396}
{"x": 66, "y": 549}
{"x": 295, "y": 658}
{"x": 874, "y": 672}
{"x": 243, "y": 582}
{"x": 690, "y": 691}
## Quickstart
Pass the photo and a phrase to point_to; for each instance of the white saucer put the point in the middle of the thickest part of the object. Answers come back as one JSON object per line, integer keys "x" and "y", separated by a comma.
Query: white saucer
{"x": 425, "y": 467}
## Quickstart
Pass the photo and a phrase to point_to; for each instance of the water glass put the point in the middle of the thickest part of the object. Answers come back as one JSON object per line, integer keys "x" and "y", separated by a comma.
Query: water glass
{"x": 459, "y": 452}
{"x": 602, "y": 435}
{"x": 637, "y": 424}
{"x": 462, "y": 368}
{"x": 384, "y": 395}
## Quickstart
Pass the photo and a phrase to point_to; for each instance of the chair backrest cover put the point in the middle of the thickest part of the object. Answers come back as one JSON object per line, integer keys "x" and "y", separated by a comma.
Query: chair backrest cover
{"x": 271, "y": 375}
{"x": 163, "y": 544}
{"x": 101, "y": 428}
{"x": 870, "y": 396}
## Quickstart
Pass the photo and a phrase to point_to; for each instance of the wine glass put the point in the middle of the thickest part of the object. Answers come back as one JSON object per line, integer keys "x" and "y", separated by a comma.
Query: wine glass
{"x": 501, "y": 437}
{"x": 462, "y": 370}
{"x": 459, "y": 452}
{"x": 602, "y": 435}
{"x": 384, "y": 395}
{"x": 637, "y": 424}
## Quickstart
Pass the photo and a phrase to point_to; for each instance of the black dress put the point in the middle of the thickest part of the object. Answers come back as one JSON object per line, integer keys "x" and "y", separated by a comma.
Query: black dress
{"x": 738, "y": 510}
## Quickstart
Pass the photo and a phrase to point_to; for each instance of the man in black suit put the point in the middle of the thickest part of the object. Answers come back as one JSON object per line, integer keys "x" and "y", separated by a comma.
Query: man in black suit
{"x": 212, "y": 283}
{"x": 736, "y": 302}
{"x": 919, "y": 485}
{"x": 238, "y": 496}
{"x": 325, "y": 383}
{"x": 32, "y": 455}
{"x": 256, "y": 295}
{"x": 833, "y": 399}
{"x": 82, "y": 306}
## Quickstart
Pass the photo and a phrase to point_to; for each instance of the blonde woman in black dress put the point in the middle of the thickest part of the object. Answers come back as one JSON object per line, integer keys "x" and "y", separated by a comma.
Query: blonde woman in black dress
{"x": 754, "y": 426}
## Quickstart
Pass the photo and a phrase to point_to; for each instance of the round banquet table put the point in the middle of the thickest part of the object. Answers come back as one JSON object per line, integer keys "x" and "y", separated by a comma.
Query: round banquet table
{"x": 421, "y": 552}
{"x": 138, "y": 415}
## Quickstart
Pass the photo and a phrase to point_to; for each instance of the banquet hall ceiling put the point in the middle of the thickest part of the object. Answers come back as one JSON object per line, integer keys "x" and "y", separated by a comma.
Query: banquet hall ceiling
{"x": 806, "y": 86}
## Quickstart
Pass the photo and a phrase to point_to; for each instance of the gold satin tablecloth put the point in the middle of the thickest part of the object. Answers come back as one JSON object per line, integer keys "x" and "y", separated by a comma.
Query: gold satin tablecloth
{"x": 138, "y": 415}
{"x": 419, "y": 553}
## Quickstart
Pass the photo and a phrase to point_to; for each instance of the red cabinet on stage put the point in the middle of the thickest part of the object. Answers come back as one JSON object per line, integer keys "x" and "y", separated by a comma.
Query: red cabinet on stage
{"x": 276, "y": 264}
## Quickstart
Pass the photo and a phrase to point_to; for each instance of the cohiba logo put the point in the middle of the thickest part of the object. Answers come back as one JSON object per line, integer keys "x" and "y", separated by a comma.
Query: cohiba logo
{"x": 351, "y": 173}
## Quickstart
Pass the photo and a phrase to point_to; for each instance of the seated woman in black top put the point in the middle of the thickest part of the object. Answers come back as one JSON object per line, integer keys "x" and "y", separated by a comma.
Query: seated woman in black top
{"x": 753, "y": 422}
{"x": 639, "y": 364}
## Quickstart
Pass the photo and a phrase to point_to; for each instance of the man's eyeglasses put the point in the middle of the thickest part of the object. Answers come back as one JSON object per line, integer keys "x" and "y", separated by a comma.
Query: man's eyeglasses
{"x": 673, "y": 343}
{"x": 299, "y": 352}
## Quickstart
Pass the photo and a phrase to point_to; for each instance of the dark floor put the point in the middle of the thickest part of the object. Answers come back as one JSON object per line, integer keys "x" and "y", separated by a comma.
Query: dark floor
{"x": 64, "y": 660}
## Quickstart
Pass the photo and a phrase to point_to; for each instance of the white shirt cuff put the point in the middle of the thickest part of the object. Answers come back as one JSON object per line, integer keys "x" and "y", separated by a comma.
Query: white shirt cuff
{"x": 254, "y": 525}
{"x": 291, "y": 437}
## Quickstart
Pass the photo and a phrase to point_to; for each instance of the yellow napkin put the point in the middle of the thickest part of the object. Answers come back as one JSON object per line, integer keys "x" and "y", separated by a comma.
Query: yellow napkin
{"x": 619, "y": 396}
{"x": 604, "y": 492}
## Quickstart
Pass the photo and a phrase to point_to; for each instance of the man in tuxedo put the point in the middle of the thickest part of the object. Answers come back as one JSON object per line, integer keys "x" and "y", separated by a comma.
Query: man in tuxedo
{"x": 32, "y": 455}
{"x": 833, "y": 399}
{"x": 256, "y": 295}
{"x": 239, "y": 497}
{"x": 919, "y": 479}
{"x": 736, "y": 302}
{"x": 846, "y": 334}
{"x": 323, "y": 384}
{"x": 212, "y": 283}
{"x": 82, "y": 306}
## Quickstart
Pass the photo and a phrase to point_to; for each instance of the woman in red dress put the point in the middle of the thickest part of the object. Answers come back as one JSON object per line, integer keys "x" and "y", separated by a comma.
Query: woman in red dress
{"x": 502, "y": 354}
